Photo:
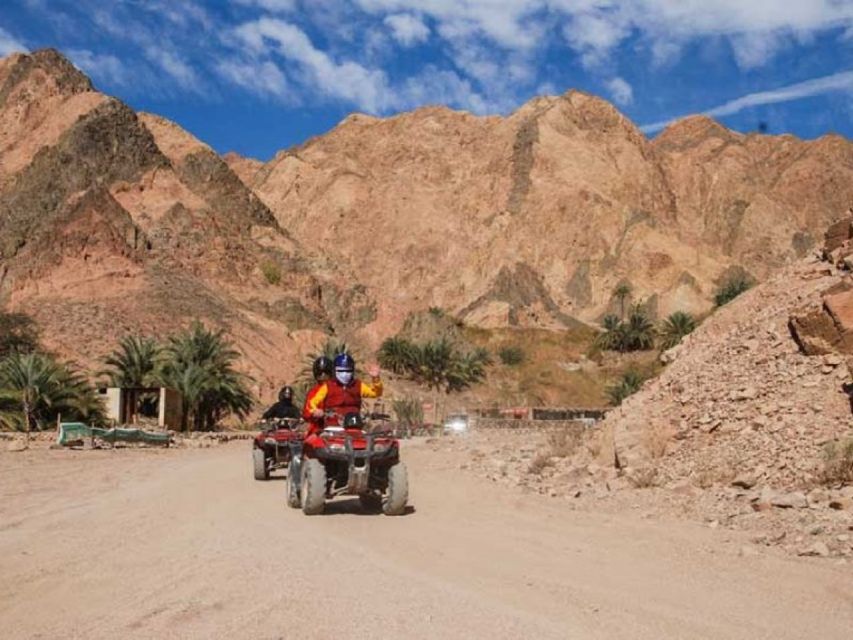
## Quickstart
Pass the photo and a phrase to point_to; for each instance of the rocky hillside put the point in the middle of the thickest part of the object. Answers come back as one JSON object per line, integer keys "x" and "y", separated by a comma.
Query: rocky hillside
{"x": 114, "y": 222}
{"x": 533, "y": 219}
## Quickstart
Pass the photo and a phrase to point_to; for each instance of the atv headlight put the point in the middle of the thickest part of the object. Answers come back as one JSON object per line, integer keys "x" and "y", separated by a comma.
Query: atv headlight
{"x": 381, "y": 447}
{"x": 269, "y": 441}
{"x": 337, "y": 447}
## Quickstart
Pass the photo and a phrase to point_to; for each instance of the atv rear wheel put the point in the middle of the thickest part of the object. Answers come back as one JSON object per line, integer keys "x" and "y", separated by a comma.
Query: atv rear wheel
{"x": 313, "y": 489}
{"x": 293, "y": 500}
{"x": 259, "y": 462}
{"x": 397, "y": 494}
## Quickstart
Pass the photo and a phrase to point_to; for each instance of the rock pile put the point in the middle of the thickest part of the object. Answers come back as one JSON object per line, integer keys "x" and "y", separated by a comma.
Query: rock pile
{"x": 734, "y": 432}
{"x": 739, "y": 397}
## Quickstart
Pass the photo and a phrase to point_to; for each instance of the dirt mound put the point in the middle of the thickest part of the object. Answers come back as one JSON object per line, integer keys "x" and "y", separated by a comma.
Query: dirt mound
{"x": 739, "y": 396}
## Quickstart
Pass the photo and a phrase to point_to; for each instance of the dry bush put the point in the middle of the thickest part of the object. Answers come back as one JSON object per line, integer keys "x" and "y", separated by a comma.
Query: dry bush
{"x": 643, "y": 477}
{"x": 594, "y": 445}
{"x": 271, "y": 271}
{"x": 656, "y": 439}
{"x": 539, "y": 462}
{"x": 838, "y": 462}
{"x": 562, "y": 443}
{"x": 707, "y": 476}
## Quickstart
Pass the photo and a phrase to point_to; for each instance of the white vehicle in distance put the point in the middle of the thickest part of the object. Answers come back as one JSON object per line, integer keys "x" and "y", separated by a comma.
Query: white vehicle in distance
{"x": 456, "y": 423}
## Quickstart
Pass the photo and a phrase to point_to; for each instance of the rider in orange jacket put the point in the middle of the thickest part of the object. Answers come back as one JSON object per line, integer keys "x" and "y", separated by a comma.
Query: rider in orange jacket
{"x": 342, "y": 393}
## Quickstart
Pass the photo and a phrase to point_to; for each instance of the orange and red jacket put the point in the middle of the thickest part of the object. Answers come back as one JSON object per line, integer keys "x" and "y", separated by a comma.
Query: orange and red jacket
{"x": 333, "y": 396}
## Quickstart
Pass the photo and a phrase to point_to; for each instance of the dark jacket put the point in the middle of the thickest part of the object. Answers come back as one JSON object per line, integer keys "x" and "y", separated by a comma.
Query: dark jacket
{"x": 281, "y": 410}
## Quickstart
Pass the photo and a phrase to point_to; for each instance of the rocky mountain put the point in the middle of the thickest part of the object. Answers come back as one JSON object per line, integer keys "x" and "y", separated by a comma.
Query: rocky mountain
{"x": 533, "y": 219}
{"x": 115, "y": 222}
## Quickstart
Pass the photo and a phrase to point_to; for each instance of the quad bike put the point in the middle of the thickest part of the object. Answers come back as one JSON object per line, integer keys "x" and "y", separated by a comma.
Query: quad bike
{"x": 347, "y": 459}
{"x": 271, "y": 447}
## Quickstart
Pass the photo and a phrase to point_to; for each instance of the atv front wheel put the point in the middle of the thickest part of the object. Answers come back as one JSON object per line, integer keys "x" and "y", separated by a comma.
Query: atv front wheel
{"x": 259, "y": 462}
{"x": 313, "y": 489}
{"x": 293, "y": 500}
{"x": 395, "y": 498}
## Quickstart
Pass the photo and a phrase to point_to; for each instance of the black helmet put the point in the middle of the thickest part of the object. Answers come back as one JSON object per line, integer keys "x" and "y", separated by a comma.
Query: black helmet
{"x": 353, "y": 421}
{"x": 286, "y": 394}
{"x": 323, "y": 368}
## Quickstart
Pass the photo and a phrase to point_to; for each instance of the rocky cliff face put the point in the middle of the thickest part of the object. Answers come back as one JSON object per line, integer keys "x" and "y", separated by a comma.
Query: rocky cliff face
{"x": 534, "y": 218}
{"x": 115, "y": 222}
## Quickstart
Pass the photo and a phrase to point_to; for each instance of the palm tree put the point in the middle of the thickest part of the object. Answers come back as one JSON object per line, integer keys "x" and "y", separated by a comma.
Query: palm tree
{"x": 34, "y": 387}
{"x": 200, "y": 365}
{"x": 731, "y": 288}
{"x": 135, "y": 363}
{"x": 675, "y": 327}
{"x": 629, "y": 384}
{"x": 639, "y": 331}
{"x": 622, "y": 291}
{"x": 611, "y": 338}
{"x": 191, "y": 381}
{"x": 468, "y": 369}
{"x": 398, "y": 355}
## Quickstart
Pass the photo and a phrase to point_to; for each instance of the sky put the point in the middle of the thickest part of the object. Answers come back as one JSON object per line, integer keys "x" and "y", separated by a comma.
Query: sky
{"x": 257, "y": 76}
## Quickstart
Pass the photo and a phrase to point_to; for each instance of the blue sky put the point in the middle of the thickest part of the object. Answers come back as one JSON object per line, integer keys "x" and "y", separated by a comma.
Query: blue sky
{"x": 256, "y": 76}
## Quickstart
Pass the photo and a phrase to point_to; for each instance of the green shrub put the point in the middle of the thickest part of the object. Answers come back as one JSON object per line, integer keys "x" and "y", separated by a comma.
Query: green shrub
{"x": 271, "y": 271}
{"x": 731, "y": 288}
{"x": 628, "y": 384}
{"x": 436, "y": 364}
{"x": 511, "y": 356}
{"x": 637, "y": 333}
{"x": 675, "y": 327}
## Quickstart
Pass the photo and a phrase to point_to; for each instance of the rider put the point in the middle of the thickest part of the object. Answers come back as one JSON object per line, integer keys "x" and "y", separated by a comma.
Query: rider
{"x": 342, "y": 393}
{"x": 284, "y": 408}
{"x": 322, "y": 369}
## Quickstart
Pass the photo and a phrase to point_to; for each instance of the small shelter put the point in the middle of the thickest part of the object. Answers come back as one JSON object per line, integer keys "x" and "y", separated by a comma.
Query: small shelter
{"x": 136, "y": 405}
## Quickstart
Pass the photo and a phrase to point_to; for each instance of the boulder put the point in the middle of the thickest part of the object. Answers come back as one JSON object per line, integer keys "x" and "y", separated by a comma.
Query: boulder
{"x": 837, "y": 234}
{"x": 795, "y": 500}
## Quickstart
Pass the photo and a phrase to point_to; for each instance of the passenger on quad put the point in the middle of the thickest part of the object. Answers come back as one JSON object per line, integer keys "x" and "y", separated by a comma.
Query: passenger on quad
{"x": 284, "y": 408}
{"x": 341, "y": 394}
{"x": 323, "y": 368}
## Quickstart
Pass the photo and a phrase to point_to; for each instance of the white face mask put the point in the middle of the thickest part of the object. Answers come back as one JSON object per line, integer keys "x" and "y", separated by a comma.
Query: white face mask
{"x": 343, "y": 376}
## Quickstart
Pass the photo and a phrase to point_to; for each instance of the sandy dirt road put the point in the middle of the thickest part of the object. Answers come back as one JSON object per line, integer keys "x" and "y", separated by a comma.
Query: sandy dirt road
{"x": 184, "y": 544}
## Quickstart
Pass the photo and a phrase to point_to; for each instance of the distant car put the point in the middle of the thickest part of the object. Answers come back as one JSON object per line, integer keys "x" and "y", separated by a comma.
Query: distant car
{"x": 456, "y": 423}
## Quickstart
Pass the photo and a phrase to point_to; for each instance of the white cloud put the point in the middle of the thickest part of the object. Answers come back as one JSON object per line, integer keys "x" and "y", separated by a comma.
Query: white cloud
{"x": 261, "y": 78}
{"x": 274, "y": 6}
{"x": 9, "y": 44}
{"x": 347, "y": 80}
{"x": 100, "y": 67}
{"x": 407, "y": 29}
{"x": 175, "y": 67}
{"x": 755, "y": 50}
{"x": 434, "y": 86}
{"x": 837, "y": 82}
{"x": 621, "y": 91}
{"x": 595, "y": 28}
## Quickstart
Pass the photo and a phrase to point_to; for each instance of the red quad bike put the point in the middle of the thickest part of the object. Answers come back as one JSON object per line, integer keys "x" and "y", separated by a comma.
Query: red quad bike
{"x": 271, "y": 447}
{"x": 348, "y": 460}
